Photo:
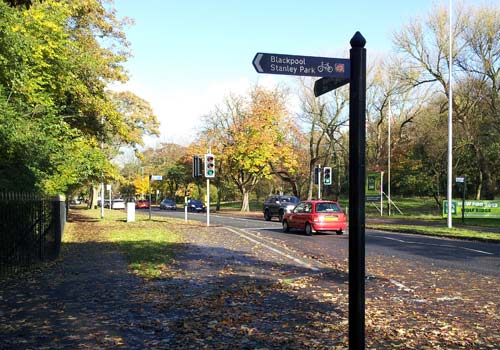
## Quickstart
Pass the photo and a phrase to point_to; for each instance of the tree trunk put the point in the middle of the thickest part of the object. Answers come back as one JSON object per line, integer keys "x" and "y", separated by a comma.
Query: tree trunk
{"x": 245, "y": 204}
{"x": 219, "y": 190}
{"x": 93, "y": 198}
{"x": 487, "y": 185}
{"x": 311, "y": 182}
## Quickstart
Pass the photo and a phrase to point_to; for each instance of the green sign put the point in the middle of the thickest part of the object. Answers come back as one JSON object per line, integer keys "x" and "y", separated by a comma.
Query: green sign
{"x": 473, "y": 209}
{"x": 372, "y": 187}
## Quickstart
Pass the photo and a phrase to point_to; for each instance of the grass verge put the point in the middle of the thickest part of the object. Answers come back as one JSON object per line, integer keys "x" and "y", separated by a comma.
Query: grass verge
{"x": 460, "y": 233}
{"x": 148, "y": 244}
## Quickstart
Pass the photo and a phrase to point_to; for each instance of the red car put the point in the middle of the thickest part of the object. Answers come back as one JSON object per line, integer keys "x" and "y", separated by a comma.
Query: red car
{"x": 316, "y": 216}
{"x": 142, "y": 204}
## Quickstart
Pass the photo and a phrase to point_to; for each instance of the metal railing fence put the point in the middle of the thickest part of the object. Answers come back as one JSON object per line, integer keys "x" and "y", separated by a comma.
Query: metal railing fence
{"x": 31, "y": 227}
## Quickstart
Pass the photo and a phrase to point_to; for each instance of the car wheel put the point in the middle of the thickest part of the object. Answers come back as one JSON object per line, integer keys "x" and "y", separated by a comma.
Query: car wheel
{"x": 286, "y": 228}
{"x": 267, "y": 216}
{"x": 339, "y": 232}
{"x": 309, "y": 229}
{"x": 281, "y": 214}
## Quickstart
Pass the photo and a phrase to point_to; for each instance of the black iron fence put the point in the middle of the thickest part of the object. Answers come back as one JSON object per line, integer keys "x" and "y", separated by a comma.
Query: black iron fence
{"x": 31, "y": 228}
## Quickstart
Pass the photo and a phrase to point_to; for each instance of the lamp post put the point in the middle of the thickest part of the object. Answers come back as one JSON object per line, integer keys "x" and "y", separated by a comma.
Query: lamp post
{"x": 389, "y": 160}
{"x": 450, "y": 121}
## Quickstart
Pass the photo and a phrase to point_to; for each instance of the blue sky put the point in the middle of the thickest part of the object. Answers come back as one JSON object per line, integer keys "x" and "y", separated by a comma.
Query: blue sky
{"x": 187, "y": 55}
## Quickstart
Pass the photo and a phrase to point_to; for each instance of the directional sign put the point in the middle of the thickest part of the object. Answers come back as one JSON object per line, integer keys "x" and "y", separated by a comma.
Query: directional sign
{"x": 273, "y": 63}
{"x": 324, "y": 85}
{"x": 156, "y": 177}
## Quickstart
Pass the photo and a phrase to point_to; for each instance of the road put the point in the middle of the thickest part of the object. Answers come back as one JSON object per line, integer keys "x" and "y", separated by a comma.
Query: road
{"x": 472, "y": 256}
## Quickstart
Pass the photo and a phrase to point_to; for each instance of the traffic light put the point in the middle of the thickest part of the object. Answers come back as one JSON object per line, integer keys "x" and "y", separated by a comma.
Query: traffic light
{"x": 327, "y": 175}
{"x": 316, "y": 175}
{"x": 209, "y": 165}
{"x": 196, "y": 166}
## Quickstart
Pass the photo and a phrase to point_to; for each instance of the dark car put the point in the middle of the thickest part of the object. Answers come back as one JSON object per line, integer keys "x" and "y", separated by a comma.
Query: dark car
{"x": 195, "y": 205}
{"x": 278, "y": 206}
{"x": 316, "y": 216}
{"x": 168, "y": 204}
{"x": 142, "y": 204}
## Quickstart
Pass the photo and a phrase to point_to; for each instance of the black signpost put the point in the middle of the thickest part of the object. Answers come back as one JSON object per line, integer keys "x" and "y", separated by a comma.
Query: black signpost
{"x": 357, "y": 170}
{"x": 336, "y": 72}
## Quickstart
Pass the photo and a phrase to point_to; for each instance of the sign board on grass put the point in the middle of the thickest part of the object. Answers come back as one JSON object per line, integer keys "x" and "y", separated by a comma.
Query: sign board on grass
{"x": 473, "y": 209}
{"x": 372, "y": 189}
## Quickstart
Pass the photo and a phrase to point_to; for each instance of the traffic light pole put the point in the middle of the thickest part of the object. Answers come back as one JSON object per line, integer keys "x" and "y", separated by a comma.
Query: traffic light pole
{"x": 208, "y": 202}
{"x": 319, "y": 181}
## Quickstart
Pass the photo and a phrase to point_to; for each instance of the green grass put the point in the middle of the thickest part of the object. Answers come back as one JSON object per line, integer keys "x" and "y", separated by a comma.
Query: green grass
{"x": 236, "y": 205}
{"x": 148, "y": 250}
{"x": 148, "y": 244}
{"x": 461, "y": 233}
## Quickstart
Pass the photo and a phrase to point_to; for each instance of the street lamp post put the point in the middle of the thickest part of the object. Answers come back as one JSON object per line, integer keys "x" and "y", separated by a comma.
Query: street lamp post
{"x": 450, "y": 121}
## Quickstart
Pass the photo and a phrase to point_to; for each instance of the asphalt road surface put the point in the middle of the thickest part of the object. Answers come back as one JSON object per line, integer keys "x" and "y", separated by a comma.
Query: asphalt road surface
{"x": 473, "y": 256}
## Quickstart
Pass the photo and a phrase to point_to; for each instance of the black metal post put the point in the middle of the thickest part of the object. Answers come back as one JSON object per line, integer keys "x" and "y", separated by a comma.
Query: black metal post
{"x": 357, "y": 139}
{"x": 463, "y": 199}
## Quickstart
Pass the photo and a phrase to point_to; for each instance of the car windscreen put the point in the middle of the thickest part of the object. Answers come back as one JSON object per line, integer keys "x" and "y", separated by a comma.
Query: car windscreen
{"x": 327, "y": 208}
{"x": 294, "y": 200}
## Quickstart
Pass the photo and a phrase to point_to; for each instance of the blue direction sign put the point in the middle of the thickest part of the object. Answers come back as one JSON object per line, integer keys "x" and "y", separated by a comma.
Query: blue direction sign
{"x": 272, "y": 63}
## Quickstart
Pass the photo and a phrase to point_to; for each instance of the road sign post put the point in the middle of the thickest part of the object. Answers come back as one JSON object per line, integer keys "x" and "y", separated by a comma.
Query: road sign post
{"x": 463, "y": 181}
{"x": 357, "y": 138}
{"x": 335, "y": 72}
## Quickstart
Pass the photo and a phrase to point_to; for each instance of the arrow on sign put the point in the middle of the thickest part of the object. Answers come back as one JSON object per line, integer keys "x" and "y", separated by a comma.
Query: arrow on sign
{"x": 256, "y": 62}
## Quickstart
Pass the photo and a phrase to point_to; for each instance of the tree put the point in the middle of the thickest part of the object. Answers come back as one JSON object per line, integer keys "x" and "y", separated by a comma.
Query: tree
{"x": 247, "y": 135}
{"x": 325, "y": 117}
{"x": 424, "y": 45}
{"x": 56, "y": 58}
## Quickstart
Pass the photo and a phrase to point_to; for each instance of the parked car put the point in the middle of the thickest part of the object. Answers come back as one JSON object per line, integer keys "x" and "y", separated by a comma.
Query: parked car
{"x": 278, "y": 206}
{"x": 117, "y": 203}
{"x": 168, "y": 204}
{"x": 316, "y": 216}
{"x": 142, "y": 204}
{"x": 195, "y": 205}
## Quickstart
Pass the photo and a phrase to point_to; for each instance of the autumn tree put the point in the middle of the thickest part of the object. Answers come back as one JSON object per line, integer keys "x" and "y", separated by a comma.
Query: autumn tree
{"x": 249, "y": 135}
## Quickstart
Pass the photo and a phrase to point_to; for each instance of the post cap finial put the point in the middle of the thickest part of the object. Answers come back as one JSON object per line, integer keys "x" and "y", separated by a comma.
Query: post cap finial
{"x": 358, "y": 40}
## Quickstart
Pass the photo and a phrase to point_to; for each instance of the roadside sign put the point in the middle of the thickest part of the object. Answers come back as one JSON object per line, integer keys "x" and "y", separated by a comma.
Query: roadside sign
{"x": 156, "y": 177}
{"x": 460, "y": 179}
{"x": 324, "y": 85}
{"x": 372, "y": 187}
{"x": 272, "y": 63}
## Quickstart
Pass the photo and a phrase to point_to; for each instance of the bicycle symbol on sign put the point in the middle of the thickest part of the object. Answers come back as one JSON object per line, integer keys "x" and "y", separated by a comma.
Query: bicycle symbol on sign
{"x": 325, "y": 66}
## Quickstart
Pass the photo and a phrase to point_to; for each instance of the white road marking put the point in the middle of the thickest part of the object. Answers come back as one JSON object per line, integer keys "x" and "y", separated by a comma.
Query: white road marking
{"x": 478, "y": 251}
{"x": 435, "y": 245}
{"x": 400, "y": 285}
{"x": 392, "y": 239}
{"x": 298, "y": 261}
